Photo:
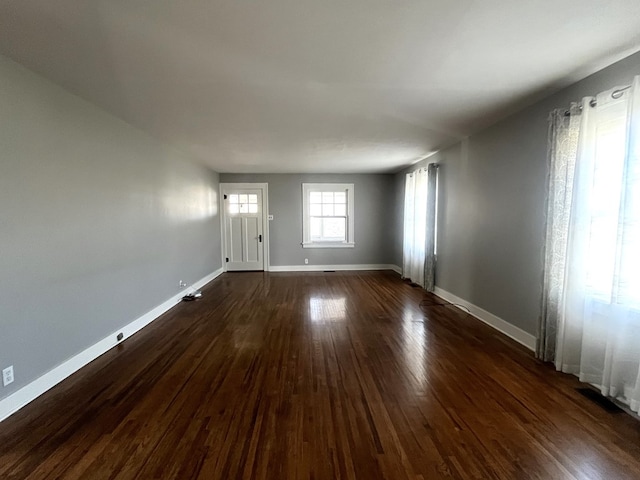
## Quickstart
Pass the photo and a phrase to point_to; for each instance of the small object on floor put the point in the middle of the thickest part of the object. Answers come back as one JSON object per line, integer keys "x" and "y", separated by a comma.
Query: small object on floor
{"x": 190, "y": 297}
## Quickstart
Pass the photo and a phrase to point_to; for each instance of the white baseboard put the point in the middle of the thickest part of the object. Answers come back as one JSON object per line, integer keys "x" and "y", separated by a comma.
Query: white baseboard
{"x": 31, "y": 391}
{"x": 489, "y": 318}
{"x": 322, "y": 268}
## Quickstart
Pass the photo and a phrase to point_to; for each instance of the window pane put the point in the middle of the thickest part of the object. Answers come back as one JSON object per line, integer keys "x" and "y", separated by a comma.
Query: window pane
{"x": 601, "y": 254}
{"x": 233, "y": 209}
{"x": 233, "y": 198}
{"x": 243, "y": 198}
{"x": 340, "y": 197}
{"x": 315, "y": 210}
{"x": 253, "y": 208}
{"x": 629, "y": 287}
{"x": 244, "y": 208}
{"x": 604, "y": 208}
{"x": 315, "y": 197}
{"x": 253, "y": 198}
{"x": 315, "y": 228}
{"x": 334, "y": 229}
{"x": 340, "y": 210}
{"x": 327, "y": 197}
{"x": 327, "y": 210}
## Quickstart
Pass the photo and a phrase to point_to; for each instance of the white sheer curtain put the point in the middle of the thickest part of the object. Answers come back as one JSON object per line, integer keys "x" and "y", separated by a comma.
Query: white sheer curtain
{"x": 415, "y": 226}
{"x": 598, "y": 295}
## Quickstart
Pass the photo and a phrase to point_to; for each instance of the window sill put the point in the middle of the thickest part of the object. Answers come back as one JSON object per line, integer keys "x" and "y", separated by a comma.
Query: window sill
{"x": 328, "y": 245}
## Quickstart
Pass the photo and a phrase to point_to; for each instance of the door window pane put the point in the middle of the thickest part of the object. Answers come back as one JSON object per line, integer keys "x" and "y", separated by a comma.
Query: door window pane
{"x": 242, "y": 203}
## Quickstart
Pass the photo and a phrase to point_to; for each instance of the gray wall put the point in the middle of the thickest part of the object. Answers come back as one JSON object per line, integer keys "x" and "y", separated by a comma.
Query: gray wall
{"x": 374, "y": 212}
{"x": 398, "y": 216}
{"x": 492, "y": 201}
{"x": 98, "y": 223}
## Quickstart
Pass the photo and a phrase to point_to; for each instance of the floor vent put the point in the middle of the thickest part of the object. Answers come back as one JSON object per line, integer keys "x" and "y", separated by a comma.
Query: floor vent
{"x": 329, "y": 271}
{"x": 597, "y": 398}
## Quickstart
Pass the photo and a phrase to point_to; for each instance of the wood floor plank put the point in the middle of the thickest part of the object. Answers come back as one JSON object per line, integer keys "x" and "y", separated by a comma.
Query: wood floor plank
{"x": 318, "y": 376}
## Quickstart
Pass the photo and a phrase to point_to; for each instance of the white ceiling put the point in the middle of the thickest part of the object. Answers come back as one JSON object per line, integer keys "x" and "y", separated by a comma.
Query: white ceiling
{"x": 315, "y": 86}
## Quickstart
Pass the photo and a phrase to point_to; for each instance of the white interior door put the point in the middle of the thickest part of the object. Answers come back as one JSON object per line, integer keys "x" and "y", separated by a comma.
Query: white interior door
{"x": 243, "y": 229}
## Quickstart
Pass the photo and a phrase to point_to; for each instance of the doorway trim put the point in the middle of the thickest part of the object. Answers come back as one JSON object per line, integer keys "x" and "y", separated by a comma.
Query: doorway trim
{"x": 264, "y": 187}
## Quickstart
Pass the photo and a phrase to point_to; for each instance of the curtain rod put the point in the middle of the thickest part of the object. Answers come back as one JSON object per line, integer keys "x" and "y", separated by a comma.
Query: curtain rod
{"x": 617, "y": 93}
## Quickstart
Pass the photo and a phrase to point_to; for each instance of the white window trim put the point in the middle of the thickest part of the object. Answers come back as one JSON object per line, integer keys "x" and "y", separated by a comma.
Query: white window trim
{"x": 307, "y": 188}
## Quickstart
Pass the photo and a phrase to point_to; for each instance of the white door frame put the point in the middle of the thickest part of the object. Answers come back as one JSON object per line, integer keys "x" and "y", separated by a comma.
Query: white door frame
{"x": 264, "y": 187}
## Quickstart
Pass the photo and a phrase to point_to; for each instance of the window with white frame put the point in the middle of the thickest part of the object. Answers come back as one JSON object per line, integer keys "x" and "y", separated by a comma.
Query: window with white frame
{"x": 243, "y": 203}
{"x": 327, "y": 215}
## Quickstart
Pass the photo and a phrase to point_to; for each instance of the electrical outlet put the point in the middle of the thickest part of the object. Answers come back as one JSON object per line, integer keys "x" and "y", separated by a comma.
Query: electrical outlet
{"x": 306, "y": 261}
{"x": 182, "y": 284}
{"x": 7, "y": 376}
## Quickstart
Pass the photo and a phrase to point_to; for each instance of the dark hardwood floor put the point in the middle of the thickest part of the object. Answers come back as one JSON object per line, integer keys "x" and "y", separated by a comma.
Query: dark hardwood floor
{"x": 318, "y": 376}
